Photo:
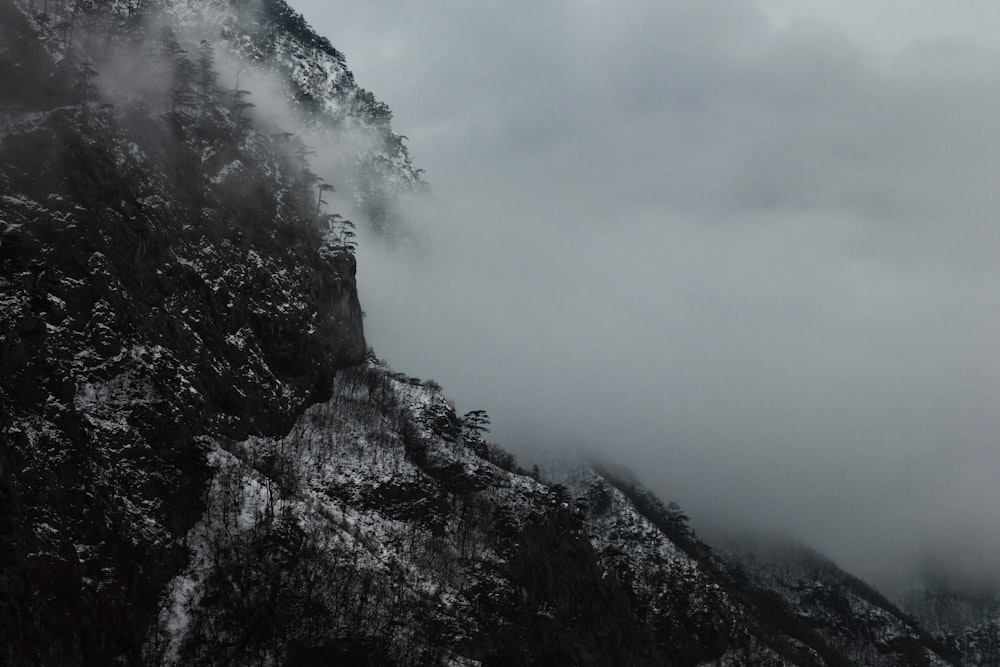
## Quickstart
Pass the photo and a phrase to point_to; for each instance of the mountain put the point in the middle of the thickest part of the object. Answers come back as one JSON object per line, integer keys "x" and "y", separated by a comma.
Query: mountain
{"x": 165, "y": 280}
{"x": 848, "y": 614}
{"x": 963, "y": 615}
{"x": 202, "y": 463}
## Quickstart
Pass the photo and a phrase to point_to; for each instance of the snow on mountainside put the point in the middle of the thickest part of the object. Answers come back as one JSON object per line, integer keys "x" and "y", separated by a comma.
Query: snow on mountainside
{"x": 683, "y": 596}
{"x": 201, "y": 463}
{"x": 382, "y": 527}
{"x": 451, "y": 557}
{"x": 348, "y": 126}
{"x": 849, "y": 614}
{"x": 965, "y": 617}
{"x": 165, "y": 277}
{"x": 372, "y": 526}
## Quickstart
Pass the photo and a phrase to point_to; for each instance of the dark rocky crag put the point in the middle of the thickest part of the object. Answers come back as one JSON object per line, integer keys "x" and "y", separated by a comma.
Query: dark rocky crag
{"x": 201, "y": 465}
{"x": 145, "y": 303}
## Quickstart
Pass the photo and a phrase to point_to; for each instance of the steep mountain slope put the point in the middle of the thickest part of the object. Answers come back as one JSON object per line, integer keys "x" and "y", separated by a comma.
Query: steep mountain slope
{"x": 373, "y": 529}
{"x": 382, "y": 528}
{"x": 963, "y": 616}
{"x": 347, "y": 125}
{"x": 201, "y": 463}
{"x": 851, "y": 616}
{"x": 162, "y": 281}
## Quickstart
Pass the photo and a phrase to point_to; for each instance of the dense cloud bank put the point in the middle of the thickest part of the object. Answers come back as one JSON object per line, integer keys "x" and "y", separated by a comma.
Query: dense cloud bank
{"x": 750, "y": 254}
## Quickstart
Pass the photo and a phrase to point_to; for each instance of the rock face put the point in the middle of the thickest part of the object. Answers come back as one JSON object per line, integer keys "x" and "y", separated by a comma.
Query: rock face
{"x": 200, "y": 462}
{"x": 382, "y": 529}
{"x": 158, "y": 286}
{"x": 370, "y": 533}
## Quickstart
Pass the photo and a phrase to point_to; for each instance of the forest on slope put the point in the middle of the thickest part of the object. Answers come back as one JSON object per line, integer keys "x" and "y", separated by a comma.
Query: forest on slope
{"x": 202, "y": 463}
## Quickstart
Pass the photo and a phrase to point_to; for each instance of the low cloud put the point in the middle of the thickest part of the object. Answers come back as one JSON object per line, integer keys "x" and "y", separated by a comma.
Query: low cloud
{"x": 756, "y": 263}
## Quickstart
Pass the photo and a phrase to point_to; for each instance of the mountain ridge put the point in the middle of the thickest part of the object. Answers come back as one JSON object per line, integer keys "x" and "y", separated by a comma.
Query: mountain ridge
{"x": 203, "y": 463}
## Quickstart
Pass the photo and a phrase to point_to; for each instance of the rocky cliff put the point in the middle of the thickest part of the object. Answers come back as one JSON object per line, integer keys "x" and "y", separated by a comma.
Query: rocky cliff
{"x": 159, "y": 286}
{"x": 201, "y": 463}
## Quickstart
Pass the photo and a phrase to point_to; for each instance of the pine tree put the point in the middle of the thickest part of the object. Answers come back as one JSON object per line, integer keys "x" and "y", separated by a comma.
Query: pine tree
{"x": 239, "y": 104}
{"x": 477, "y": 422}
{"x": 182, "y": 88}
{"x": 84, "y": 88}
{"x": 346, "y": 235}
{"x": 65, "y": 28}
{"x": 306, "y": 178}
{"x": 323, "y": 188}
{"x": 169, "y": 44}
{"x": 207, "y": 76}
{"x": 181, "y": 91}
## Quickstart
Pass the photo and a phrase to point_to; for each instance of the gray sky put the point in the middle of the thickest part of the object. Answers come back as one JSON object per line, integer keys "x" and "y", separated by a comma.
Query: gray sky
{"x": 748, "y": 249}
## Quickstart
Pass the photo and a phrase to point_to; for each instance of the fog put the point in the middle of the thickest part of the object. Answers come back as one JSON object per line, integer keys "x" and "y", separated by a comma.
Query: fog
{"x": 746, "y": 249}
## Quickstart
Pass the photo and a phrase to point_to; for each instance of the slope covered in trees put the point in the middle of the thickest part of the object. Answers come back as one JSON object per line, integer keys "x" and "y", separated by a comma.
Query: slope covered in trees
{"x": 200, "y": 462}
{"x": 164, "y": 279}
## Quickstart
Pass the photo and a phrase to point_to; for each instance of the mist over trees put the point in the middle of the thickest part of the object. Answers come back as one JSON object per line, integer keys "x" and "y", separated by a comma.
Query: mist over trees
{"x": 203, "y": 463}
{"x": 149, "y": 51}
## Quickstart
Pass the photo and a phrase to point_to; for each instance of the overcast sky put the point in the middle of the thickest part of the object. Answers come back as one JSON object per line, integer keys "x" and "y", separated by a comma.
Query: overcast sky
{"x": 748, "y": 249}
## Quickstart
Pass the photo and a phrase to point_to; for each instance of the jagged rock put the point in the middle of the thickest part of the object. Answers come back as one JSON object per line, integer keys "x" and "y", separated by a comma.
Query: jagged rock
{"x": 202, "y": 465}
{"x": 136, "y": 320}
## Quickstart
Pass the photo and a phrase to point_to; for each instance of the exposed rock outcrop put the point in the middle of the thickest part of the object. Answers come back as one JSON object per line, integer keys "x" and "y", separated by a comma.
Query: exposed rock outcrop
{"x": 145, "y": 303}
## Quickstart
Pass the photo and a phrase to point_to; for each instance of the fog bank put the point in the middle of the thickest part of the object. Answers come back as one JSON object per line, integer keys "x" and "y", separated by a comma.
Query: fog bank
{"x": 747, "y": 250}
